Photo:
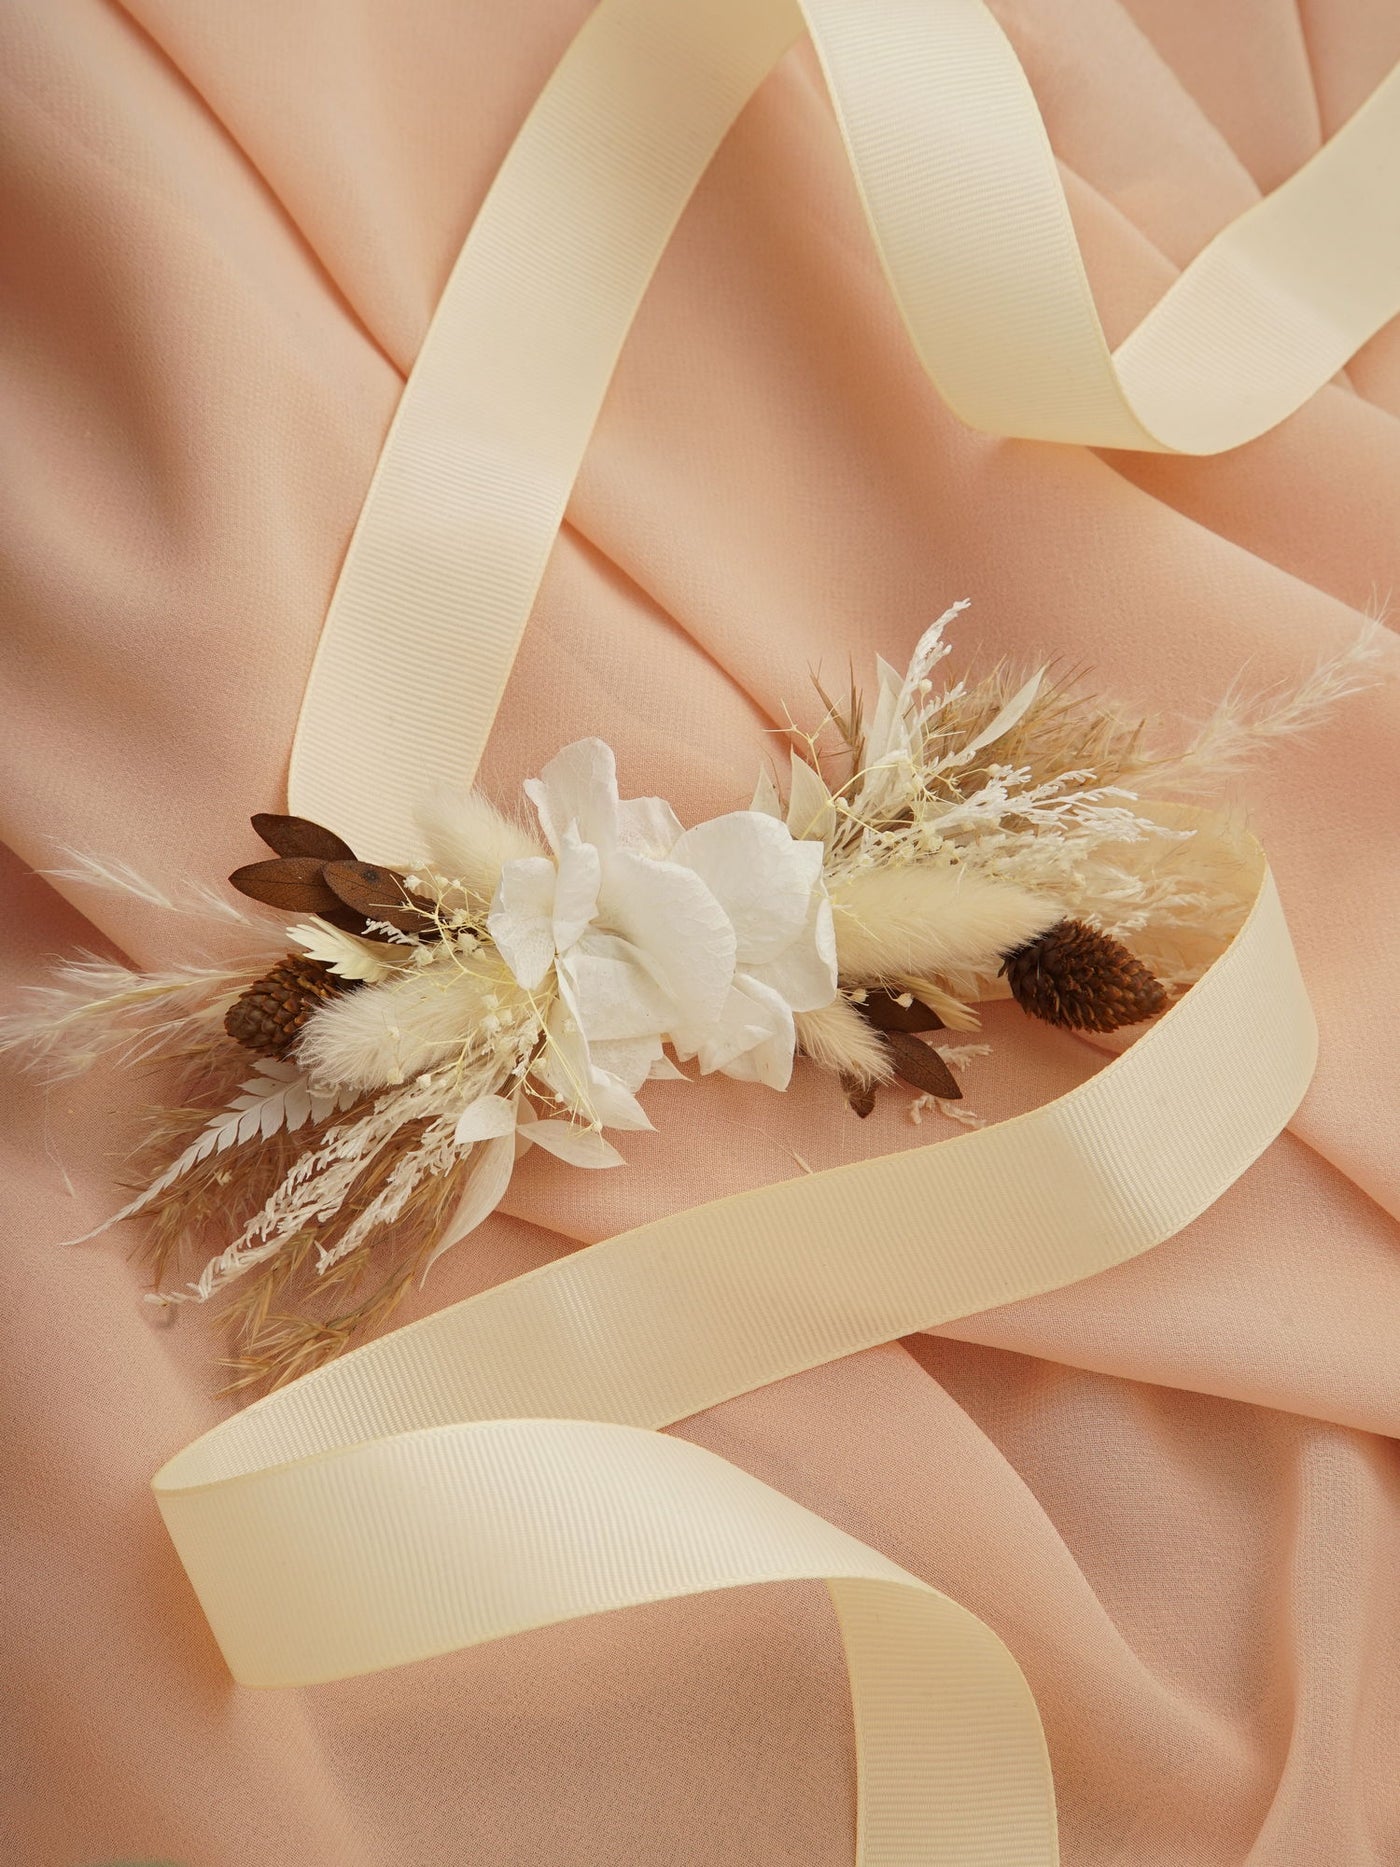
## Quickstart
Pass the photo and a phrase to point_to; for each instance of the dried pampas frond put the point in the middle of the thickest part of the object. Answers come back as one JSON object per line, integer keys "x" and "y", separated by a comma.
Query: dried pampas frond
{"x": 469, "y": 841}
{"x": 97, "y": 1008}
{"x": 839, "y": 1039}
{"x": 917, "y": 920}
{"x": 194, "y": 899}
{"x": 1243, "y": 725}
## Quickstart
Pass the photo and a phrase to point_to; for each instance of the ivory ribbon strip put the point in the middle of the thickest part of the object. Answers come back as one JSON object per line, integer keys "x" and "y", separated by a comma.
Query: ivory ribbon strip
{"x": 438, "y": 1487}
{"x": 965, "y": 205}
{"x": 490, "y": 1468}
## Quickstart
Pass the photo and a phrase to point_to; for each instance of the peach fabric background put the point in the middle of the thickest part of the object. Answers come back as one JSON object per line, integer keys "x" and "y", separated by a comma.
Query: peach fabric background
{"x": 1170, "y": 1489}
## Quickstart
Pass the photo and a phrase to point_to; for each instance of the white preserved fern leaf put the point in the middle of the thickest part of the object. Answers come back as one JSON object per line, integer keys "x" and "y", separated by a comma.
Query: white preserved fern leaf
{"x": 347, "y": 955}
{"x": 277, "y": 1098}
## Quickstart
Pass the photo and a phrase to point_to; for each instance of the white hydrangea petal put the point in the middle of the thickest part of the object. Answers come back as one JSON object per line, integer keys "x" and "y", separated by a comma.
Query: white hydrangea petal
{"x": 578, "y": 786}
{"x": 804, "y": 974}
{"x": 631, "y": 1060}
{"x": 615, "y": 997}
{"x": 521, "y": 921}
{"x": 581, "y": 1147}
{"x": 485, "y": 1188}
{"x": 760, "y": 876}
{"x": 486, "y": 1119}
{"x": 647, "y": 824}
{"x": 715, "y": 1043}
{"x": 576, "y": 888}
{"x": 769, "y": 1060}
{"x": 664, "y": 1071}
{"x": 678, "y": 927}
{"x": 811, "y": 815}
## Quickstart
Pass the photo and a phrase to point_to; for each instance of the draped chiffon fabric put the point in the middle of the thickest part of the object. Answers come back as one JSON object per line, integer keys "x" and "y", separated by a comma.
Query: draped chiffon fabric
{"x": 1169, "y": 1489}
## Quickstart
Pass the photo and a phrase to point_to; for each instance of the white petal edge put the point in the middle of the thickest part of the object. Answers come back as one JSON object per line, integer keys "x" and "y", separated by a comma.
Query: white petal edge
{"x": 578, "y": 786}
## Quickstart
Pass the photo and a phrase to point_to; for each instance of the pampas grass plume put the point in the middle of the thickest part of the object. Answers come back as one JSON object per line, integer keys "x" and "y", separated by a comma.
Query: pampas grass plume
{"x": 916, "y": 921}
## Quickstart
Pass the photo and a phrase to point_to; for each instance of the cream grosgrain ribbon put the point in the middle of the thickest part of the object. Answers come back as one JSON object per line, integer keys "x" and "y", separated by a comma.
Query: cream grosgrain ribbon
{"x": 498, "y": 1466}
{"x": 967, "y": 212}
{"x": 486, "y": 1470}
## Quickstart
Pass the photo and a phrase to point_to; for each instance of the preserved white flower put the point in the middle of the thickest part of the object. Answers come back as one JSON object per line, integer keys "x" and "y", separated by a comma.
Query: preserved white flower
{"x": 707, "y": 939}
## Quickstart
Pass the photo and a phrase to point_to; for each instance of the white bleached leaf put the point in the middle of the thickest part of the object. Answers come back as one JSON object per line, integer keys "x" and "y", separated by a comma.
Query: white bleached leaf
{"x": 346, "y": 954}
{"x": 485, "y": 1188}
{"x": 613, "y": 1102}
{"x": 1019, "y": 704}
{"x": 885, "y": 733}
{"x": 486, "y": 1119}
{"x": 811, "y": 816}
{"x": 765, "y": 796}
{"x": 580, "y": 1147}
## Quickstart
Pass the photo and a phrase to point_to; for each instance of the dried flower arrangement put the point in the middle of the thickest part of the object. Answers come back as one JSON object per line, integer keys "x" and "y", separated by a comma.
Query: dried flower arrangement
{"x": 358, "y": 1107}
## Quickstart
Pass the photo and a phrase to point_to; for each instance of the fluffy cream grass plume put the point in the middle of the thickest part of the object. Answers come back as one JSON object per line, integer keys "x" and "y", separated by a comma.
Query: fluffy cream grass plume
{"x": 94, "y": 1007}
{"x": 922, "y": 921}
{"x": 838, "y": 1038}
{"x": 392, "y": 1031}
{"x": 469, "y": 840}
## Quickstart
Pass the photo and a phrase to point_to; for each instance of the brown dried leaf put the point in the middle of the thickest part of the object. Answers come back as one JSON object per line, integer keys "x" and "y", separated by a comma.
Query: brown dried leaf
{"x": 295, "y": 884}
{"x": 924, "y": 1069}
{"x": 884, "y": 1011}
{"x": 299, "y": 836}
{"x": 380, "y": 895}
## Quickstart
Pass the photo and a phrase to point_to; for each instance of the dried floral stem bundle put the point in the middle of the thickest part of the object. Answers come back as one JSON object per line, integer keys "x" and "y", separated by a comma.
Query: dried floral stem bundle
{"x": 352, "y": 1098}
